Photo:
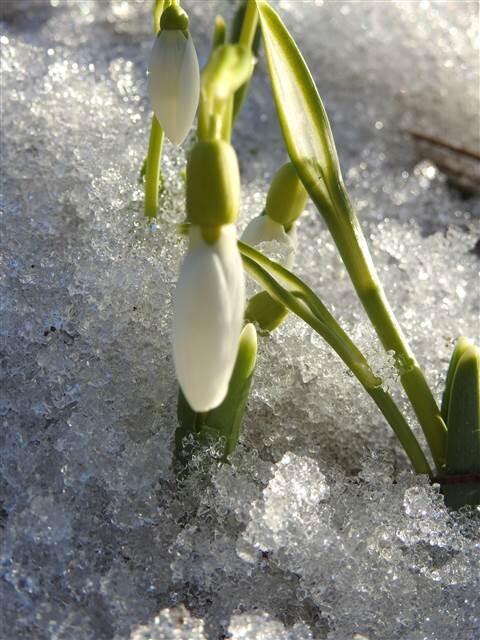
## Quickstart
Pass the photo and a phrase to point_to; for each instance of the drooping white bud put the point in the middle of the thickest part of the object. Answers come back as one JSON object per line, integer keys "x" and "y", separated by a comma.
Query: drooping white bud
{"x": 264, "y": 229}
{"x": 174, "y": 82}
{"x": 208, "y": 317}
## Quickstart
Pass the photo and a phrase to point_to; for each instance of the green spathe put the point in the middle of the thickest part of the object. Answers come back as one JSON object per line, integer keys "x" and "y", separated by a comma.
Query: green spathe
{"x": 286, "y": 197}
{"x": 174, "y": 18}
{"x": 213, "y": 184}
{"x": 229, "y": 67}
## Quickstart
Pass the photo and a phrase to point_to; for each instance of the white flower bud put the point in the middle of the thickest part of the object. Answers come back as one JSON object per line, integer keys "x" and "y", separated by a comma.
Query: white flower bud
{"x": 208, "y": 317}
{"x": 264, "y": 229}
{"x": 174, "y": 82}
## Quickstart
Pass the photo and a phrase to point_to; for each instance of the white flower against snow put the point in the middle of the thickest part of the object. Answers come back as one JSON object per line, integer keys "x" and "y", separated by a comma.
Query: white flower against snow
{"x": 264, "y": 229}
{"x": 174, "y": 76}
{"x": 208, "y": 317}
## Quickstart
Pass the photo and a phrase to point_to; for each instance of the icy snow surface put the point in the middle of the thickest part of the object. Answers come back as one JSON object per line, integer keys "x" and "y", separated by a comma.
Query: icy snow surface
{"x": 317, "y": 529}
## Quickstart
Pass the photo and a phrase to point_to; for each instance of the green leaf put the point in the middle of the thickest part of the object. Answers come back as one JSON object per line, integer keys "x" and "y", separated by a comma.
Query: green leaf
{"x": 302, "y": 116}
{"x": 237, "y": 25}
{"x": 463, "y": 438}
{"x": 310, "y": 144}
{"x": 461, "y": 485}
{"x": 299, "y": 299}
{"x": 226, "y": 420}
{"x": 461, "y": 346}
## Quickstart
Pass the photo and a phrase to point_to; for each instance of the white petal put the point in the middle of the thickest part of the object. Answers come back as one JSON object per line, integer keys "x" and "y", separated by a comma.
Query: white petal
{"x": 208, "y": 317}
{"x": 174, "y": 83}
{"x": 293, "y": 238}
{"x": 264, "y": 229}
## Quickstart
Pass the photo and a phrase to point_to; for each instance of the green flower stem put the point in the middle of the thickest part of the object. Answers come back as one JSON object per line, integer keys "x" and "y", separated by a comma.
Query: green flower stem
{"x": 227, "y": 120}
{"x": 155, "y": 143}
{"x": 307, "y": 306}
{"x": 152, "y": 174}
{"x": 203, "y": 121}
{"x": 248, "y": 38}
{"x": 348, "y": 236}
{"x": 249, "y": 26}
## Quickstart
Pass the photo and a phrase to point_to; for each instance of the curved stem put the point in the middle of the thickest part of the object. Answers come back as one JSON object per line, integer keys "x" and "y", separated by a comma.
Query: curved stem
{"x": 155, "y": 143}
{"x": 327, "y": 327}
{"x": 348, "y": 236}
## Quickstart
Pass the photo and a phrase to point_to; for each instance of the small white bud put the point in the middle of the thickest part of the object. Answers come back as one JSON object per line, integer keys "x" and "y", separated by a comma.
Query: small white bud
{"x": 208, "y": 317}
{"x": 174, "y": 82}
{"x": 264, "y": 229}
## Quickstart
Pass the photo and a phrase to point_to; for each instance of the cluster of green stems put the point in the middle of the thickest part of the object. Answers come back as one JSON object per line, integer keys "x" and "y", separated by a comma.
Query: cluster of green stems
{"x": 215, "y": 121}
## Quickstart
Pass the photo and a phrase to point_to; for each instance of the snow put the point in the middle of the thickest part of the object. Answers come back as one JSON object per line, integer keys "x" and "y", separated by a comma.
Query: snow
{"x": 317, "y": 528}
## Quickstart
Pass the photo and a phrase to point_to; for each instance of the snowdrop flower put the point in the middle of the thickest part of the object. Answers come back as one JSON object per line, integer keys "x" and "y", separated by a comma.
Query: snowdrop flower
{"x": 264, "y": 229}
{"x": 174, "y": 75}
{"x": 210, "y": 296}
{"x": 208, "y": 317}
{"x": 286, "y": 200}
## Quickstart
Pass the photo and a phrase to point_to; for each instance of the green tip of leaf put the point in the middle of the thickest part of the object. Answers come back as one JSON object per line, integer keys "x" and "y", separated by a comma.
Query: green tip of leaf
{"x": 302, "y": 116}
{"x": 461, "y": 346}
{"x": 247, "y": 353}
{"x": 463, "y": 442}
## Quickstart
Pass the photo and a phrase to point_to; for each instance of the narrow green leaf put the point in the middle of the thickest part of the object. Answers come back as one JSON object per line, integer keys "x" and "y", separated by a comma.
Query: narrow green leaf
{"x": 226, "y": 420}
{"x": 303, "y": 302}
{"x": 306, "y": 307}
{"x": 461, "y": 346}
{"x": 237, "y": 27}
{"x": 463, "y": 439}
{"x": 302, "y": 116}
{"x": 309, "y": 142}
{"x": 236, "y": 36}
{"x": 461, "y": 485}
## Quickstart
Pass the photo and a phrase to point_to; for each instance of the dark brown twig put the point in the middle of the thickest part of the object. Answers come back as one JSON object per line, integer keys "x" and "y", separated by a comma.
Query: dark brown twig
{"x": 444, "y": 144}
